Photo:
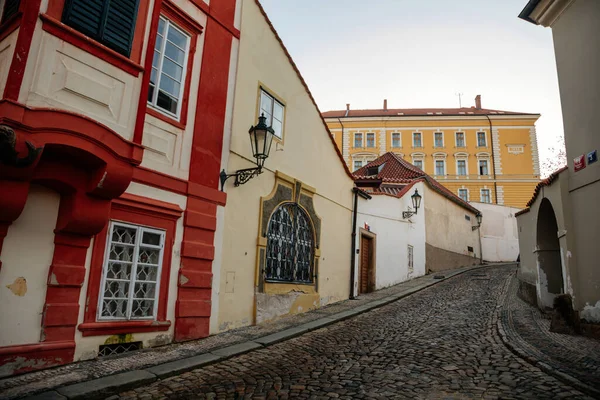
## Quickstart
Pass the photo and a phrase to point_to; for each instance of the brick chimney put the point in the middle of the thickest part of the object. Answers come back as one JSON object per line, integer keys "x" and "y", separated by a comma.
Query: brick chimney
{"x": 478, "y": 102}
{"x": 347, "y": 109}
{"x": 385, "y": 105}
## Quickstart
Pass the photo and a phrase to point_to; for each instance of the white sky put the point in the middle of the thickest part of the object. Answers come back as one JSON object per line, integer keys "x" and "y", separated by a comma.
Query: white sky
{"x": 420, "y": 53}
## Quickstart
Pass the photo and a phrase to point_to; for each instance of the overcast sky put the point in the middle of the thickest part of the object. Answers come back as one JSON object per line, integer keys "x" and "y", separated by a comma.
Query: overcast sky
{"x": 420, "y": 53}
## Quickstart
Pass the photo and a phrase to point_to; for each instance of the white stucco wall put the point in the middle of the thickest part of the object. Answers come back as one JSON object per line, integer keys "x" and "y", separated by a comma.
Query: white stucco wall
{"x": 499, "y": 233}
{"x": 383, "y": 214}
{"x": 26, "y": 271}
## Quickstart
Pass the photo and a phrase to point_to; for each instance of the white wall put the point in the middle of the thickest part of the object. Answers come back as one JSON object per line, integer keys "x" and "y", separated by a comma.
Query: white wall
{"x": 383, "y": 214}
{"x": 26, "y": 257}
{"x": 499, "y": 234}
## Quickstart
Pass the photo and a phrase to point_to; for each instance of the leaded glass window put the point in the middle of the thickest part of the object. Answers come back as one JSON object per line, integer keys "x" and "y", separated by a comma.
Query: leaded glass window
{"x": 290, "y": 245}
{"x": 131, "y": 272}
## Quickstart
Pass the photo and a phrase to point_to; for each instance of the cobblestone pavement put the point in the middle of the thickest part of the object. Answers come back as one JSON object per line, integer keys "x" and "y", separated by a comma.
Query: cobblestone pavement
{"x": 528, "y": 330}
{"x": 440, "y": 343}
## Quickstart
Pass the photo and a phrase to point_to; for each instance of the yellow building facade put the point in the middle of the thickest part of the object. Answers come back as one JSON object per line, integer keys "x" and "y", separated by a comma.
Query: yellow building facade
{"x": 481, "y": 155}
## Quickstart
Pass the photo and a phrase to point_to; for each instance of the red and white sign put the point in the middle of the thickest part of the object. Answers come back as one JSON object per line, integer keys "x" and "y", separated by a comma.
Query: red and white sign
{"x": 579, "y": 162}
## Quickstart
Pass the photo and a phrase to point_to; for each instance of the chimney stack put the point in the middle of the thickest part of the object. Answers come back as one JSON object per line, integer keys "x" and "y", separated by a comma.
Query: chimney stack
{"x": 385, "y": 105}
{"x": 347, "y": 106}
{"x": 478, "y": 102}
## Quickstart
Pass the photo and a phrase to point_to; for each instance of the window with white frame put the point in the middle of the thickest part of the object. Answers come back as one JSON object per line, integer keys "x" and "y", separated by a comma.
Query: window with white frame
{"x": 358, "y": 164}
{"x": 483, "y": 167}
{"x": 481, "y": 140}
{"x": 411, "y": 261}
{"x": 273, "y": 110}
{"x": 460, "y": 139}
{"x": 438, "y": 139}
{"x": 358, "y": 140}
{"x": 370, "y": 140}
{"x": 418, "y": 163}
{"x": 461, "y": 167}
{"x": 484, "y": 195}
{"x": 169, "y": 67}
{"x": 131, "y": 272}
{"x": 440, "y": 167}
{"x": 396, "y": 140}
{"x": 463, "y": 194}
{"x": 417, "y": 142}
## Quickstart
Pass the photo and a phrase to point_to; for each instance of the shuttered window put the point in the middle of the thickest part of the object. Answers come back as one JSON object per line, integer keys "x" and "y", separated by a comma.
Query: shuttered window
{"x": 11, "y": 7}
{"x": 110, "y": 22}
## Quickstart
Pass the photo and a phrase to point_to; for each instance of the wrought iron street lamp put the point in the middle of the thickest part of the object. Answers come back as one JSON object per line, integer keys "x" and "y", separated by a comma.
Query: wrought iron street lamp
{"x": 416, "y": 202}
{"x": 479, "y": 218}
{"x": 261, "y": 138}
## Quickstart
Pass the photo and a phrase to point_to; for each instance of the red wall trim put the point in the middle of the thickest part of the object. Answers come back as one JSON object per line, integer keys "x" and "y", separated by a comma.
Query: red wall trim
{"x": 209, "y": 11}
{"x": 34, "y": 348}
{"x": 168, "y": 119}
{"x": 16, "y": 71}
{"x": 142, "y": 211}
{"x": 78, "y": 39}
{"x": 45, "y": 355}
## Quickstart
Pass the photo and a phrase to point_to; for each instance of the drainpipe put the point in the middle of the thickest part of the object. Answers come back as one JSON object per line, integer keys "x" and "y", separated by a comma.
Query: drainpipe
{"x": 357, "y": 192}
{"x": 493, "y": 162}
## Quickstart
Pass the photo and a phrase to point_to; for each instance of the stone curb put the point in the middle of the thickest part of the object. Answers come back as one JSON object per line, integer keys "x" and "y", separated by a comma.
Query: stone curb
{"x": 568, "y": 379}
{"x": 103, "y": 387}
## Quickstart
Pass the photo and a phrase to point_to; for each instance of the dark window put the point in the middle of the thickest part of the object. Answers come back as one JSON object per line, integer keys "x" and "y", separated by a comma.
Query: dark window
{"x": 11, "y": 7}
{"x": 468, "y": 218}
{"x": 110, "y": 22}
{"x": 470, "y": 249}
{"x": 290, "y": 245}
{"x": 118, "y": 348}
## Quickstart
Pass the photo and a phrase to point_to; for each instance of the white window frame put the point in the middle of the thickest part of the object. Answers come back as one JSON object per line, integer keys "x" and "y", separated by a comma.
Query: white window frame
{"x": 271, "y": 113}
{"x": 371, "y": 135}
{"x": 154, "y": 102}
{"x": 456, "y": 139}
{"x": 435, "y": 161}
{"x": 420, "y": 146}
{"x": 484, "y": 138}
{"x": 435, "y": 142}
{"x": 489, "y": 195}
{"x": 362, "y": 164}
{"x": 362, "y": 140}
{"x": 463, "y": 190}
{"x": 420, "y": 160}
{"x": 399, "y": 136}
{"x": 487, "y": 163}
{"x": 140, "y": 230}
{"x": 458, "y": 160}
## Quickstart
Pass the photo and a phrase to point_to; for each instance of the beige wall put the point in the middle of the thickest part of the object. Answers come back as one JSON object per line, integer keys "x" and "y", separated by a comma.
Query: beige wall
{"x": 499, "y": 233}
{"x": 447, "y": 229}
{"x": 576, "y": 34}
{"x": 263, "y": 61}
{"x": 24, "y": 273}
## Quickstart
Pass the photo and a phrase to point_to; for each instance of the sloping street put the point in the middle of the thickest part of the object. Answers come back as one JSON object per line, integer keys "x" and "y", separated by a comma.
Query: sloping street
{"x": 441, "y": 342}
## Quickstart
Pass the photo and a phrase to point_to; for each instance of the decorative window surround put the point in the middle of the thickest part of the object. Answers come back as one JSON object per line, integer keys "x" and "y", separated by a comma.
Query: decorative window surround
{"x": 418, "y": 158}
{"x": 358, "y": 140}
{"x": 459, "y": 139}
{"x": 396, "y": 140}
{"x": 417, "y": 140}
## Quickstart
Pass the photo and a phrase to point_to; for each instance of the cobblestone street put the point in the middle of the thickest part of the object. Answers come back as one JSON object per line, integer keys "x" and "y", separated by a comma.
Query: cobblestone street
{"x": 439, "y": 343}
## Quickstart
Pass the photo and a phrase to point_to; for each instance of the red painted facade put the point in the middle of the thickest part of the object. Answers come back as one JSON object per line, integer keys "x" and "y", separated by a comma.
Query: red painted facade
{"x": 91, "y": 167}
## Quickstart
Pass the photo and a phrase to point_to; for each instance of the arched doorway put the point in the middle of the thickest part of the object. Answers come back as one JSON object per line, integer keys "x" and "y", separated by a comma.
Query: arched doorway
{"x": 550, "y": 278}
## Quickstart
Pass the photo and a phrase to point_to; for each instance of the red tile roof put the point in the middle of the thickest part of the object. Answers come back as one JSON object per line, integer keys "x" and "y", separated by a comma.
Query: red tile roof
{"x": 392, "y": 171}
{"x": 546, "y": 182}
{"x": 295, "y": 67}
{"x": 420, "y": 112}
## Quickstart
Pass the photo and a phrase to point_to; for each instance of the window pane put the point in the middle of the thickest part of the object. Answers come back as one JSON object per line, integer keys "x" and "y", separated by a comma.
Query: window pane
{"x": 144, "y": 290}
{"x": 147, "y": 273}
{"x": 142, "y": 308}
{"x": 172, "y": 69}
{"x": 156, "y": 59}
{"x": 121, "y": 253}
{"x": 266, "y": 103}
{"x": 169, "y": 85}
{"x": 158, "y": 44}
{"x": 148, "y": 256}
{"x": 175, "y": 53}
{"x": 278, "y": 111}
{"x": 166, "y": 102}
{"x": 177, "y": 38}
{"x": 116, "y": 289}
{"x": 114, "y": 308}
{"x": 117, "y": 270}
{"x": 123, "y": 234}
{"x": 151, "y": 238}
{"x": 161, "y": 26}
{"x": 150, "y": 93}
{"x": 153, "y": 76}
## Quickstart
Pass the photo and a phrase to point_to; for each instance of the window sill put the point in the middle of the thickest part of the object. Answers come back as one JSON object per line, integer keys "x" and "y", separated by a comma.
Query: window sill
{"x": 10, "y": 25}
{"x": 150, "y": 110}
{"x": 121, "y": 327}
{"x": 78, "y": 39}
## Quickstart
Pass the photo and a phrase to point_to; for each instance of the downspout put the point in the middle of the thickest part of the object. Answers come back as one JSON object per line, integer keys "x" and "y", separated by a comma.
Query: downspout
{"x": 357, "y": 192}
{"x": 493, "y": 163}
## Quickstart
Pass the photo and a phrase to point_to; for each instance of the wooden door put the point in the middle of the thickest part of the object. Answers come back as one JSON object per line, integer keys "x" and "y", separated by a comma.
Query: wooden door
{"x": 365, "y": 264}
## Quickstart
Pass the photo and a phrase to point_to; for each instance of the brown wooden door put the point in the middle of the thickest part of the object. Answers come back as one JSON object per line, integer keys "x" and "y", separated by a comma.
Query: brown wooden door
{"x": 365, "y": 264}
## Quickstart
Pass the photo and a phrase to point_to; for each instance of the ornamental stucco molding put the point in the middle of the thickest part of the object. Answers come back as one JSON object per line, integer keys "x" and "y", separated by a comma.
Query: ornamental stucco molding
{"x": 534, "y": 151}
{"x": 382, "y": 142}
{"x": 496, "y": 151}
{"x": 500, "y": 193}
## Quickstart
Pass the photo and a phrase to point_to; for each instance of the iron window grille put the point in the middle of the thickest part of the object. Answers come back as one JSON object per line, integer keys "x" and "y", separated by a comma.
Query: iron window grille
{"x": 274, "y": 111}
{"x": 111, "y": 23}
{"x": 105, "y": 350}
{"x": 169, "y": 68}
{"x": 290, "y": 246}
{"x": 131, "y": 272}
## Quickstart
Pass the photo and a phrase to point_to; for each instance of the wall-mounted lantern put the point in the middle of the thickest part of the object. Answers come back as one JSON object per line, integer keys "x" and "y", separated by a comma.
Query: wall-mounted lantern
{"x": 479, "y": 218}
{"x": 416, "y": 202}
{"x": 261, "y": 138}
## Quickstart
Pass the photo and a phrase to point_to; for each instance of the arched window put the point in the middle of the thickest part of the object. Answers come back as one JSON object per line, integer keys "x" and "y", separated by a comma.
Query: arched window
{"x": 290, "y": 245}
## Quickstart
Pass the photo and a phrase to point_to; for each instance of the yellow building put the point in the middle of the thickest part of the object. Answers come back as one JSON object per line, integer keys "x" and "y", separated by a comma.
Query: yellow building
{"x": 480, "y": 154}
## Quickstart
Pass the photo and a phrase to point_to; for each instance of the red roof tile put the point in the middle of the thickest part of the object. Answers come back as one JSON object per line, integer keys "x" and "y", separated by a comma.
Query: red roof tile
{"x": 431, "y": 112}
{"x": 390, "y": 170}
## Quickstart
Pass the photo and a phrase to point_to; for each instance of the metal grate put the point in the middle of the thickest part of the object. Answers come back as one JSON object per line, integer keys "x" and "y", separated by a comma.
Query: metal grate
{"x": 118, "y": 348}
{"x": 290, "y": 245}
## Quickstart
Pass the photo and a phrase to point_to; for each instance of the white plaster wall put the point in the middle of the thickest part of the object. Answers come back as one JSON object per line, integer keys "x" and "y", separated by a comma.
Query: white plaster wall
{"x": 7, "y": 49}
{"x": 26, "y": 255}
{"x": 262, "y": 60}
{"x": 499, "y": 232}
{"x": 383, "y": 214}
{"x": 87, "y": 347}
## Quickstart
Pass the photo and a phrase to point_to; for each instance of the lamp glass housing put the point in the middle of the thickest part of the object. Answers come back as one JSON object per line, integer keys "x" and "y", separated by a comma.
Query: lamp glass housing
{"x": 261, "y": 138}
{"x": 416, "y": 200}
{"x": 479, "y": 218}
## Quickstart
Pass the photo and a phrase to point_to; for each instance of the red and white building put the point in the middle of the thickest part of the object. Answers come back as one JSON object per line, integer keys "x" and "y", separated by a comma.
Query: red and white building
{"x": 113, "y": 117}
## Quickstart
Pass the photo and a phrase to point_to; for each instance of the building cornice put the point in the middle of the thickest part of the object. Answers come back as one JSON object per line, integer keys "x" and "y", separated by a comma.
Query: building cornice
{"x": 433, "y": 118}
{"x": 544, "y": 12}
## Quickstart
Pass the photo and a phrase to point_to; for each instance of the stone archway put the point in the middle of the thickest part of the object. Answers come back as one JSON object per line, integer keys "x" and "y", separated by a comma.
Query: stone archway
{"x": 549, "y": 266}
